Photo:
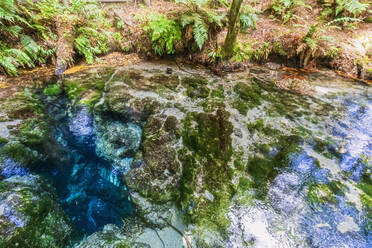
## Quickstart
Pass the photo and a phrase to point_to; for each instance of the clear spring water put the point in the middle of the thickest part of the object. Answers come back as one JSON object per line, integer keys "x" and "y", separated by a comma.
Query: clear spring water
{"x": 91, "y": 191}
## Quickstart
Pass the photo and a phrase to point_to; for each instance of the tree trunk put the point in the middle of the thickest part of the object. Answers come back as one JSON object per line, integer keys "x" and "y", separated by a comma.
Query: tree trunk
{"x": 232, "y": 31}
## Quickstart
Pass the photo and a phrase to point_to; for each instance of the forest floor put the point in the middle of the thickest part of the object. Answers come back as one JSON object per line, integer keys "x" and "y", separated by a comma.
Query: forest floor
{"x": 353, "y": 45}
{"x": 280, "y": 43}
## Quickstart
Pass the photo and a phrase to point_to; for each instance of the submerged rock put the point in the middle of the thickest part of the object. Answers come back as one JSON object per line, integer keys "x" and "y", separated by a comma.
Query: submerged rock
{"x": 118, "y": 142}
{"x": 209, "y": 162}
{"x": 29, "y": 215}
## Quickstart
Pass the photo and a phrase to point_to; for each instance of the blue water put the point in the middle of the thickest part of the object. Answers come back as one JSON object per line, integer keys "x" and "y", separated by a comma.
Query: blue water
{"x": 91, "y": 191}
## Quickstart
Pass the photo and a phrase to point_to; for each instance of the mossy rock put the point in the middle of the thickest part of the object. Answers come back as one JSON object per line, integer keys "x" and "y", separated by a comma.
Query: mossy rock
{"x": 157, "y": 177}
{"x": 260, "y": 127}
{"x": 196, "y": 87}
{"x": 365, "y": 185}
{"x": 33, "y": 132}
{"x": 22, "y": 106}
{"x": 37, "y": 220}
{"x": 168, "y": 81}
{"x": 208, "y": 138}
{"x": 325, "y": 148}
{"x": 218, "y": 93}
{"x": 52, "y": 90}
{"x": 20, "y": 153}
{"x": 264, "y": 169}
{"x": 3, "y": 141}
{"x": 325, "y": 193}
{"x": 248, "y": 97}
{"x": 86, "y": 90}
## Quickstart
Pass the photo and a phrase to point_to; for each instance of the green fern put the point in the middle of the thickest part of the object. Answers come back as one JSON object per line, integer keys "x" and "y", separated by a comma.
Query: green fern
{"x": 286, "y": 8}
{"x": 164, "y": 33}
{"x": 248, "y": 18}
{"x": 200, "y": 32}
{"x": 201, "y": 17}
{"x": 343, "y": 20}
{"x": 353, "y": 7}
{"x": 29, "y": 25}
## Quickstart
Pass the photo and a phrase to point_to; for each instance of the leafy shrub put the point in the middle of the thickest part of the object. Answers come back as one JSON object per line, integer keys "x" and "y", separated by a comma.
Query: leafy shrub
{"x": 343, "y": 11}
{"x": 248, "y": 18}
{"x": 22, "y": 24}
{"x": 164, "y": 33}
{"x": 11, "y": 58}
{"x": 285, "y": 9}
{"x": 316, "y": 44}
{"x": 200, "y": 18}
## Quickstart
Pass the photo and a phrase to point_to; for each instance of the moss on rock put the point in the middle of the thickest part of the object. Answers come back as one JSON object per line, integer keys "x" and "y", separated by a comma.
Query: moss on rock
{"x": 35, "y": 220}
{"x": 157, "y": 176}
{"x": 325, "y": 193}
{"x": 196, "y": 87}
{"x": 264, "y": 169}
{"x": 20, "y": 153}
{"x": 52, "y": 90}
{"x": 207, "y": 138}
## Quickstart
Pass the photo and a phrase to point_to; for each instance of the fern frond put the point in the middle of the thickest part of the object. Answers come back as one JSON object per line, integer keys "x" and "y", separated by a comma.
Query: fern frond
{"x": 200, "y": 32}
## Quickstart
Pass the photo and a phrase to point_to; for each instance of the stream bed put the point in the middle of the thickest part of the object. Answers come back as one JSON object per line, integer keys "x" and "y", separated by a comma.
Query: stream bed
{"x": 145, "y": 156}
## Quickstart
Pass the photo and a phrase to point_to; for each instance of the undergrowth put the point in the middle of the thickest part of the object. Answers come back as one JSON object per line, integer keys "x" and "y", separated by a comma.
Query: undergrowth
{"x": 28, "y": 31}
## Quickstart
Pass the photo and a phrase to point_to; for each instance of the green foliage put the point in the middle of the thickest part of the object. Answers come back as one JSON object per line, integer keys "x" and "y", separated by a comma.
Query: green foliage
{"x": 316, "y": 44}
{"x": 84, "y": 46}
{"x": 343, "y": 11}
{"x": 350, "y": 7}
{"x": 248, "y": 18}
{"x": 285, "y": 9}
{"x": 52, "y": 90}
{"x": 201, "y": 18}
{"x": 164, "y": 33}
{"x": 242, "y": 52}
{"x": 28, "y": 31}
{"x": 11, "y": 58}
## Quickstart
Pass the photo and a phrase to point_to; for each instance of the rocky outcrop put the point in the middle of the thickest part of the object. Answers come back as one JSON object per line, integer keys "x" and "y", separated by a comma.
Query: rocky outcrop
{"x": 29, "y": 215}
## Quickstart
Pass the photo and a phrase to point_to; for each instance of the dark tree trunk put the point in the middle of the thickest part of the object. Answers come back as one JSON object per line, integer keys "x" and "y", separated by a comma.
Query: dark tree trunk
{"x": 232, "y": 32}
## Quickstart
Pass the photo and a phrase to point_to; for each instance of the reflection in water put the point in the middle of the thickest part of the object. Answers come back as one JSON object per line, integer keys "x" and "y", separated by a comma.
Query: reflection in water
{"x": 293, "y": 218}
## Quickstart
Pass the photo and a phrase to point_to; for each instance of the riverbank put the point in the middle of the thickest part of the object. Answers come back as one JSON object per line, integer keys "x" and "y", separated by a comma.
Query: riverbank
{"x": 308, "y": 40}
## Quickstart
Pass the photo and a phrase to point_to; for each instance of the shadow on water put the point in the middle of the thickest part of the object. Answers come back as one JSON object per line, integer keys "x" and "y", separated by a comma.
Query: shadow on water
{"x": 91, "y": 191}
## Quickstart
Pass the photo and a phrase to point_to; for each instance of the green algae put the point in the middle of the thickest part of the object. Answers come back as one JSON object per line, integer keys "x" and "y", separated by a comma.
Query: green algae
{"x": 47, "y": 226}
{"x": 34, "y": 132}
{"x": 52, "y": 90}
{"x": 196, "y": 87}
{"x": 168, "y": 81}
{"x": 87, "y": 91}
{"x": 240, "y": 106}
{"x": 264, "y": 169}
{"x": 325, "y": 193}
{"x": 259, "y": 126}
{"x": 20, "y": 153}
{"x": 210, "y": 105}
{"x": 263, "y": 148}
{"x": 21, "y": 106}
{"x": 218, "y": 93}
{"x": 365, "y": 185}
{"x": 249, "y": 97}
{"x": 324, "y": 147}
{"x": 239, "y": 164}
{"x": 245, "y": 184}
{"x": 158, "y": 156}
{"x": 207, "y": 138}
{"x": 3, "y": 141}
